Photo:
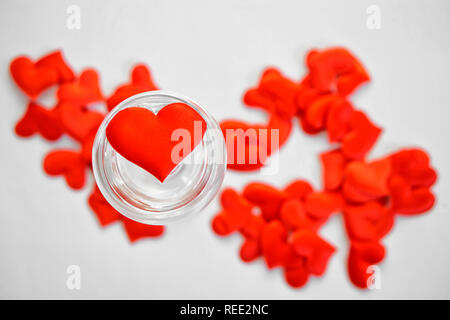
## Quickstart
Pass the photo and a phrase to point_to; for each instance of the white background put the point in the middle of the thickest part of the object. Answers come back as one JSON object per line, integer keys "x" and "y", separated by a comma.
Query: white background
{"x": 212, "y": 51}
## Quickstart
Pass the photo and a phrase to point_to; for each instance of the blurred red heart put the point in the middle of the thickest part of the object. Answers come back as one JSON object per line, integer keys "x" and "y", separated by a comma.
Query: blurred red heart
{"x": 56, "y": 61}
{"x": 83, "y": 91}
{"x": 31, "y": 78}
{"x": 78, "y": 121}
{"x": 68, "y": 163}
{"x": 408, "y": 200}
{"x": 361, "y": 256}
{"x": 140, "y": 81}
{"x": 136, "y": 230}
{"x": 266, "y": 197}
{"x": 105, "y": 213}
{"x": 146, "y": 139}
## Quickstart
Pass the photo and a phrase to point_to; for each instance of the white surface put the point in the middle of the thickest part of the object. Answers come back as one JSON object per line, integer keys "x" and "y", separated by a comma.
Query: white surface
{"x": 212, "y": 52}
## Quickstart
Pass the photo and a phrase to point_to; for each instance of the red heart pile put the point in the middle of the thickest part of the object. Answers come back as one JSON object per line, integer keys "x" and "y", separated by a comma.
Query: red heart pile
{"x": 75, "y": 116}
{"x": 282, "y": 225}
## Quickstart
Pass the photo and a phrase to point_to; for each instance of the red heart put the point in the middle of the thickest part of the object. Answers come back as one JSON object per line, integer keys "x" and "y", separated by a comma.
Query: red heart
{"x": 136, "y": 231}
{"x": 294, "y": 216}
{"x": 414, "y": 166}
{"x": 317, "y": 251}
{"x": 361, "y": 138}
{"x": 298, "y": 189}
{"x": 236, "y": 212}
{"x": 369, "y": 221}
{"x": 255, "y": 97}
{"x": 38, "y": 119}
{"x": 338, "y": 122}
{"x": 316, "y": 114}
{"x": 296, "y": 276}
{"x": 102, "y": 209}
{"x": 320, "y": 205}
{"x": 366, "y": 181}
{"x": 253, "y": 227}
{"x": 347, "y": 83}
{"x": 250, "y": 250}
{"x": 266, "y": 197}
{"x": 333, "y": 167}
{"x": 408, "y": 200}
{"x": 32, "y": 79}
{"x": 56, "y": 61}
{"x": 68, "y": 163}
{"x": 83, "y": 91}
{"x": 274, "y": 246}
{"x": 141, "y": 81}
{"x": 361, "y": 256}
{"x": 78, "y": 121}
{"x": 243, "y": 143}
{"x": 146, "y": 139}
{"x": 327, "y": 65}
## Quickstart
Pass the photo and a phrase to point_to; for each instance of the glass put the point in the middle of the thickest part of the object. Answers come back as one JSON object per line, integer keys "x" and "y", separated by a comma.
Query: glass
{"x": 137, "y": 194}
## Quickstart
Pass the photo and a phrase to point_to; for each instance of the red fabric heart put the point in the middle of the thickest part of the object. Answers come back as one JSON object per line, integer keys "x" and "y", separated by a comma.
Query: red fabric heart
{"x": 414, "y": 166}
{"x": 68, "y": 163}
{"x": 317, "y": 251}
{"x": 38, "y": 119}
{"x": 253, "y": 227}
{"x": 338, "y": 122}
{"x": 408, "y": 200}
{"x": 250, "y": 250}
{"x": 361, "y": 256}
{"x": 266, "y": 197}
{"x": 236, "y": 212}
{"x": 83, "y": 91}
{"x": 104, "y": 212}
{"x": 320, "y": 205}
{"x": 136, "y": 231}
{"x": 145, "y": 138}
{"x": 361, "y": 138}
{"x": 367, "y": 222}
{"x": 366, "y": 181}
{"x": 347, "y": 83}
{"x": 298, "y": 189}
{"x": 274, "y": 246}
{"x": 316, "y": 114}
{"x": 32, "y": 79}
{"x": 78, "y": 121}
{"x": 140, "y": 81}
{"x": 56, "y": 61}
{"x": 333, "y": 167}
{"x": 294, "y": 216}
{"x": 243, "y": 144}
{"x": 327, "y": 65}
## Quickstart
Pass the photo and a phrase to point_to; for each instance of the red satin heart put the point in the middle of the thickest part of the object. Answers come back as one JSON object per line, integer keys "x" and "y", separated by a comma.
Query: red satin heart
{"x": 361, "y": 256}
{"x": 296, "y": 276}
{"x": 333, "y": 167}
{"x": 347, "y": 83}
{"x": 68, "y": 163}
{"x": 361, "y": 138}
{"x": 338, "y": 122}
{"x": 408, "y": 200}
{"x": 316, "y": 114}
{"x": 146, "y": 139}
{"x": 366, "y": 181}
{"x": 367, "y": 222}
{"x": 243, "y": 143}
{"x": 78, "y": 121}
{"x": 56, "y": 61}
{"x": 317, "y": 251}
{"x": 38, "y": 119}
{"x": 298, "y": 189}
{"x": 102, "y": 209}
{"x": 320, "y": 205}
{"x": 136, "y": 231}
{"x": 274, "y": 246}
{"x": 83, "y": 91}
{"x": 294, "y": 216}
{"x": 250, "y": 250}
{"x": 32, "y": 79}
{"x": 266, "y": 197}
{"x": 414, "y": 166}
{"x": 236, "y": 212}
{"x": 140, "y": 81}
